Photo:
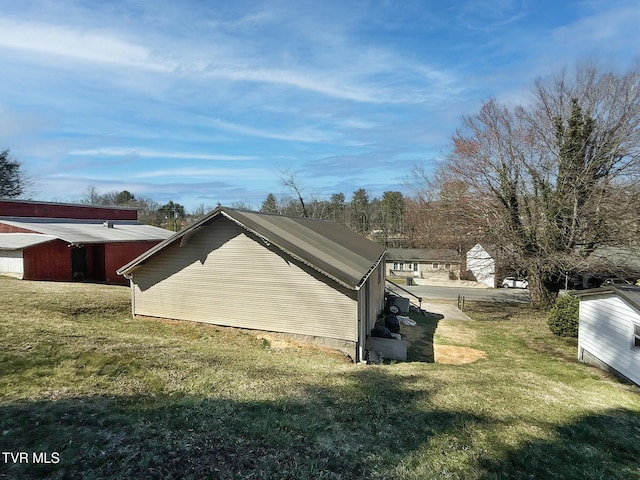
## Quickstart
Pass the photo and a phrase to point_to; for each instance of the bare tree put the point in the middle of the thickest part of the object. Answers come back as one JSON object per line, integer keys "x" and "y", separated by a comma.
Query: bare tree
{"x": 91, "y": 196}
{"x": 288, "y": 180}
{"x": 547, "y": 174}
{"x": 445, "y": 213}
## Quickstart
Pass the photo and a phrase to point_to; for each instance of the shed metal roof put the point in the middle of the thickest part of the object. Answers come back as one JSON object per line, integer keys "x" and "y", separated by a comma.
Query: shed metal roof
{"x": 88, "y": 231}
{"x": 328, "y": 247}
{"x": 19, "y": 241}
{"x": 630, "y": 293}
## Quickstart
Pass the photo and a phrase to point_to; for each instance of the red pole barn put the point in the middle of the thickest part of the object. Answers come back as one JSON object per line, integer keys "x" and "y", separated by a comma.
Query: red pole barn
{"x": 65, "y": 242}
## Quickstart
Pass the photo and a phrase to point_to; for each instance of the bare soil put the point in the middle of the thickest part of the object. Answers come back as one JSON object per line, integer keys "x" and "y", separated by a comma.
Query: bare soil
{"x": 455, "y": 355}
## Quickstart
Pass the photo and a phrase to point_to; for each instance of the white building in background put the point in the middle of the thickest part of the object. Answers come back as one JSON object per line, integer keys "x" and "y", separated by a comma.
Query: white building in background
{"x": 481, "y": 266}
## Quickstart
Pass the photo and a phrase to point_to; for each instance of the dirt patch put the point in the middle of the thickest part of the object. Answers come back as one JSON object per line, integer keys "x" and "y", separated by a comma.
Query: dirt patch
{"x": 283, "y": 341}
{"x": 454, "y": 355}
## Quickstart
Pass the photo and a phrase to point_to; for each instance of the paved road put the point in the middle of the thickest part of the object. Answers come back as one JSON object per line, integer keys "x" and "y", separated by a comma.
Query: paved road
{"x": 431, "y": 293}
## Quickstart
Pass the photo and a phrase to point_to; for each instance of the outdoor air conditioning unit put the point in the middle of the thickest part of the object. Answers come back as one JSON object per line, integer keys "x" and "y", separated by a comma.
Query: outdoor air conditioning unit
{"x": 401, "y": 303}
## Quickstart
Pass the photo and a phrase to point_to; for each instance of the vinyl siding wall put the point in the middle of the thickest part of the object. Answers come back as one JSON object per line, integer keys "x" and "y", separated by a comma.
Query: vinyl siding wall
{"x": 606, "y": 332}
{"x": 376, "y": 294}
{"x": 226, "y": 276}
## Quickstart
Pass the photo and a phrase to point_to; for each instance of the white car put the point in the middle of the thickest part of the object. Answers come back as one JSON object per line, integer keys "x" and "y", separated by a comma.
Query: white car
{"x": 513, "y": 282}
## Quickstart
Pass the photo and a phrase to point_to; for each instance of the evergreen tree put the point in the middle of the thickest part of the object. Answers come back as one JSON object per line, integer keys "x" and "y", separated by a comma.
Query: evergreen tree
{"x": 270, "y": 204}
{"x": 360, "y": 210}
{"x": 11, "y": 181}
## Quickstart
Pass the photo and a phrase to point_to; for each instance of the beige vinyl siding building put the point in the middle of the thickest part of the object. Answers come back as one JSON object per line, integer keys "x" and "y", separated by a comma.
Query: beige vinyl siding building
{"x": 609, "y": 330}
{"x": 302, "y": 277}
{"x": 423, "y": 263}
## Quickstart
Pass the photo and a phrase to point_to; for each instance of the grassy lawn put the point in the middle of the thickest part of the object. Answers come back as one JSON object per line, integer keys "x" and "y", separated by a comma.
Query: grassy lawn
{"x": 115, "y": 397}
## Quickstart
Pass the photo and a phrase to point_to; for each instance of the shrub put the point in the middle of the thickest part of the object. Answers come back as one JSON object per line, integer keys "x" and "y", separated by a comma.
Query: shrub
{"x": 563, "y": 317}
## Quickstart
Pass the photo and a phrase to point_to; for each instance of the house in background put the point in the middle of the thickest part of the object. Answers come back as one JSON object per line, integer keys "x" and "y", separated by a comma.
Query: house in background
{"x": 313, "y": 279}
{"x": 609, "y": 329}
{"x": 60, "y": 242}
{"x": 481, "y": 266}
{"x": 422, "y": 263}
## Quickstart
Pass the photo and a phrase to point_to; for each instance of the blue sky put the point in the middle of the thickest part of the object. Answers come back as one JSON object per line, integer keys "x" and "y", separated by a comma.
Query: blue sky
{"x": 202, "y": 102}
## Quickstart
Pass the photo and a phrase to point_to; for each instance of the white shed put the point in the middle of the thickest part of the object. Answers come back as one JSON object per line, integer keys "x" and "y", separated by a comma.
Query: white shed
{"x": 609, "y": 329}
{"x": 309, "y": 278}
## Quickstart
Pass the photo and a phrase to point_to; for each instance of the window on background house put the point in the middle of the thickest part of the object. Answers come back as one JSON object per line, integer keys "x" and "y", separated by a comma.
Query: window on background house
{"x": 415, "y": 267}
{"x": 636, "y": 336}
{"x": 447, "y": 266}
{"x": 398, "y": 265}
{"x": 435, "y": 265}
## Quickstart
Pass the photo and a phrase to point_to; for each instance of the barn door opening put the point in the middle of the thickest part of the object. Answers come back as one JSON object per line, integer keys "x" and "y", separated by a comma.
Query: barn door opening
{"x": 78, "y": 264}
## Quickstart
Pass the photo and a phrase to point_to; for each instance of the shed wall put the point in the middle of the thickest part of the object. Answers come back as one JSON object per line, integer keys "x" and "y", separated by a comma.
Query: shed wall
{"x": 11, "y": 263}
{"x": 226, "y": 276}
{"x": 606, "y": 332}
{"x": 376, "y": 283}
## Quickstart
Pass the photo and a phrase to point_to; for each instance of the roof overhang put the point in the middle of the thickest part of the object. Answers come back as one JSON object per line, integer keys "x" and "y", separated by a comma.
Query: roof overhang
{"x": 20, "y": 241}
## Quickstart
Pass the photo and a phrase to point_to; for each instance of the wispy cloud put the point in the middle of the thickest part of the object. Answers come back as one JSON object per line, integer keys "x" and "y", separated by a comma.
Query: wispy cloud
{"x": 146, "y": 153}
{"x": 77, "y": 43}
{"x": 245, "y": 173}
{"x": 308, "y": 134}
{"x": 605, "y": 29}
{"x": 354, "y": 75}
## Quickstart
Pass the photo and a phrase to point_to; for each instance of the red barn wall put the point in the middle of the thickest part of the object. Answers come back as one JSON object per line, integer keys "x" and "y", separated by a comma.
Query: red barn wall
{"x": 118, "y": 254}
{"x": 48, "y": 261}
{"x": 16, "y": 208}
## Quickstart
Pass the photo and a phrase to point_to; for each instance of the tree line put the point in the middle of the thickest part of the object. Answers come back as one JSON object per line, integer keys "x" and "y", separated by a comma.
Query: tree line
{"x": 382, "y": 219}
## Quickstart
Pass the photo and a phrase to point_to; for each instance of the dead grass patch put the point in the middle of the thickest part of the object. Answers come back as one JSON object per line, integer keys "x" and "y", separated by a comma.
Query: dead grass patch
{"x": 455, "y": 355}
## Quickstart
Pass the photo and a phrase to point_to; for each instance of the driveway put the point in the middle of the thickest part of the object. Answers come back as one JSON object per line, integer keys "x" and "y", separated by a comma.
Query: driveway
{"x": 443, "y": 301}
{"x": 437, "y": 293}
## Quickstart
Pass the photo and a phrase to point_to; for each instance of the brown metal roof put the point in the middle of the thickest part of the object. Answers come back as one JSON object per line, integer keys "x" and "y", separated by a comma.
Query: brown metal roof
{"x": 328, "y": 247}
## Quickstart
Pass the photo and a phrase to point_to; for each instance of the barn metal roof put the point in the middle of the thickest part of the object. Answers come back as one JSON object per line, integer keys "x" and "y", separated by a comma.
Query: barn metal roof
{"x": 88, "y": 231}
{"x": 328, "y": 247}
{"x": 19, "y": 241}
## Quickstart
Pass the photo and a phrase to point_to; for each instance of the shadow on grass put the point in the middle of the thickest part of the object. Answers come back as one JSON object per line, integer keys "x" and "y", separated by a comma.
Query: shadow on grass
{"x": 360, "y": 430}
{"x": 374, "y": 426}
{"x": 594, "y": 447}
{"x": 420, "y": 337}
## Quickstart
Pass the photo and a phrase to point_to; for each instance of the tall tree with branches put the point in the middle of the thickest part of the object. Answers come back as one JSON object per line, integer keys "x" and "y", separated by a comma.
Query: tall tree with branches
{"x": 547, "y": 173}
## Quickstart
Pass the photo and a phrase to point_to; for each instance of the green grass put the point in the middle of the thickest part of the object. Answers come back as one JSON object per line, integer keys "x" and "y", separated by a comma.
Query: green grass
{"x": 118, "y": 397}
